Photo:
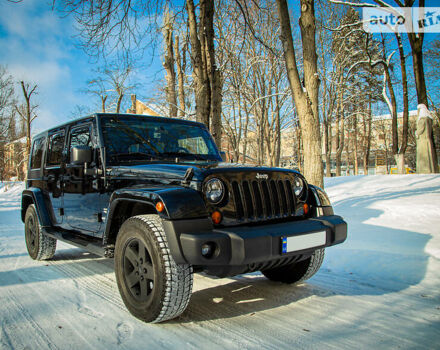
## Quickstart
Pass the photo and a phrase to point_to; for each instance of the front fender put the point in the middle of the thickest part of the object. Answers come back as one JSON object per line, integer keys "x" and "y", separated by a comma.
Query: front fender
{"x": 33, "y": 195}
{"x": 180, "y": 202}
{"x": 319, "y": 201}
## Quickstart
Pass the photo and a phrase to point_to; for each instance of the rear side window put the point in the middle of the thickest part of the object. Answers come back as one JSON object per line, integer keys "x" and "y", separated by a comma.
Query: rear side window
{"x": 37, "y": 153}
{"x": 55, "y": 149}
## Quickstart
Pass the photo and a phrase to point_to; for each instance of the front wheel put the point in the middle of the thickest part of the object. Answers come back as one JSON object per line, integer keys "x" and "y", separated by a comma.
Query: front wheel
{"x": 153, "y": 287}
{"x": 39, "y": 246}
{"x": 298, "y": 271}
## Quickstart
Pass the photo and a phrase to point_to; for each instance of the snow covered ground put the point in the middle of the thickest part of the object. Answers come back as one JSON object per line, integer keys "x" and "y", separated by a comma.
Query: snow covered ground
{"x": 380, "y": 289}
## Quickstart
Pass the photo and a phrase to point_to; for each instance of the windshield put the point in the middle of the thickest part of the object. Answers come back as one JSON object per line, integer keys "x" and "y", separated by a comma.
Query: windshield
{"x": 134, "y": 139}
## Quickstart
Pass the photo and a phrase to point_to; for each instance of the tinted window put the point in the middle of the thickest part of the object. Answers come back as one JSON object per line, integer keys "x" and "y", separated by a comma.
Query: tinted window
{"x": 80, "y": 136}
{"x": 37, "y": 153}
{"x": 55, "y": 149}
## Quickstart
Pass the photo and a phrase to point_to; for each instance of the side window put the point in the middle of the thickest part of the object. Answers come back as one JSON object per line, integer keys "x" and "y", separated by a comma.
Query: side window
{"x": 80, "y": 136}
{"x": 55, "y": 149}
{"x": 37, "y": 153}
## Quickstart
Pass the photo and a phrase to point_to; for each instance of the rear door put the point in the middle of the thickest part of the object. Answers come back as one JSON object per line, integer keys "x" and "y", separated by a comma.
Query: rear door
{"x": 53, "y": 172}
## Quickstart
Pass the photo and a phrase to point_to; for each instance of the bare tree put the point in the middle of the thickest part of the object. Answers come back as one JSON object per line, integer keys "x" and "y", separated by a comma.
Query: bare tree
{"x": 124, "y": 28}
{"x": 111, "y": 82}
{"x": 98, "y": 88}
{"x": 180, "y": 54}
{"x": 306, "y": 100}
{"x": 7, "y": 101}
{"x": 207, "y": 79}
{"x": 168, "y": 63}
{"x": 416, "y": 43}
{"x": 27, "y": 111}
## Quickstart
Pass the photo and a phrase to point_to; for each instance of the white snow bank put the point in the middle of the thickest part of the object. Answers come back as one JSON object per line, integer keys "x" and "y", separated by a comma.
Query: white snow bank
{"x": 380, "y": 289}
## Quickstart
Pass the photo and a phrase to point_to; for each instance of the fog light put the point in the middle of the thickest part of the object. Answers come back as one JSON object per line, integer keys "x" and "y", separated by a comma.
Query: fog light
{"x": 208, "y": 249}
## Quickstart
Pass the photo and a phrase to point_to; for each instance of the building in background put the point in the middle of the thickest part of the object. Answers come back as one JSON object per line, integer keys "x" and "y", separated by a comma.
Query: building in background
{"x": 138, "y": 107}
{"x": 15, "y": 160}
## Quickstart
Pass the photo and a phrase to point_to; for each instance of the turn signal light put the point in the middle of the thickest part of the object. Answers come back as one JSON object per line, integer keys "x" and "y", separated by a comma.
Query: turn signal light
{"x": 160, "y": 207}
{"x": 306, "y": 208}
{"x": 216, "y": 217}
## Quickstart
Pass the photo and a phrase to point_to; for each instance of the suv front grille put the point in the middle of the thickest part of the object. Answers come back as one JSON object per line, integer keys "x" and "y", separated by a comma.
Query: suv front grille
{"x": 263, "y": 199}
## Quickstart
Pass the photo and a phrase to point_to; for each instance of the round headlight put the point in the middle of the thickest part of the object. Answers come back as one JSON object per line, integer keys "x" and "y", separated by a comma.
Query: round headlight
{"x": 298, "y": 186}
{"x": 214, "y": 190}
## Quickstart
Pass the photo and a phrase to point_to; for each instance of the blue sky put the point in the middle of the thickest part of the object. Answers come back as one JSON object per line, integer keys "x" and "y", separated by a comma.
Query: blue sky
{"x": 39, "y": 47}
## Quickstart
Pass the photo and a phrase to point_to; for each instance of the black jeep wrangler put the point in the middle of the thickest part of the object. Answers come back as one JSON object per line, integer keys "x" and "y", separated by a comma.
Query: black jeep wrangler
{"x": 154, "y": 194}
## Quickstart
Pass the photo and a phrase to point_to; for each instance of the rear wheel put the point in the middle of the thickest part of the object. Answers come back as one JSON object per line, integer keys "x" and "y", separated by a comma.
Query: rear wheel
{"x": 153, "y": 287}
{"x": 297, "y": 272}
{"x": 39, "y": 246}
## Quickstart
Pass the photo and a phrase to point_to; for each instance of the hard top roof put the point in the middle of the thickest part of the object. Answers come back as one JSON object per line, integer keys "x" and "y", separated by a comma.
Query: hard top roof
{"x": 100, "y": 115}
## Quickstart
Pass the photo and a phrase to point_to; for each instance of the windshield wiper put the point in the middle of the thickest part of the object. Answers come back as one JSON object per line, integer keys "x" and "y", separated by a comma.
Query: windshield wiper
{"x": 137, "y": 156}
{"x": 185, "y": 155}
{"x": 134, "y": 156}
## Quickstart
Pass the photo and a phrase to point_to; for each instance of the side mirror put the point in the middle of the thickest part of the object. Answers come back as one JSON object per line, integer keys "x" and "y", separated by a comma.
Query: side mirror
{"x": 223, "y": 154}
{"x": 80, "y": 155}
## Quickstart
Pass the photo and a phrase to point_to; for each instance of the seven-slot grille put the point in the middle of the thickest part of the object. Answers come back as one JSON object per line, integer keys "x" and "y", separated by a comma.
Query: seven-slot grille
{"x": 261, "y": 199}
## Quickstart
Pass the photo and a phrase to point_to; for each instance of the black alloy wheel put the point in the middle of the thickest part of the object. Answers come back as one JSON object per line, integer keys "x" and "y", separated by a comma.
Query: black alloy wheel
{"x": 138, "y": 270}
{"x": 39, "y": 246}
{"x": 31, "y": 235}
{"x": 152, "y": 286}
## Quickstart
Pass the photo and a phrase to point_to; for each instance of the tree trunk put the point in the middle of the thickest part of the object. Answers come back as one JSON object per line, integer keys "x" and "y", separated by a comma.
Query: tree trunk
{"x": 400, "y": 158}
{"x": 416, "y": 42}
{"x": 305, "y": 102}
{"x": 327, "y": 149}
{"x": 215, "y": 77}
{"x": 367, "y": 142}
{"x": 299, "y": 148}
{"x": 400, "y": 162}
{"x": 340, "y": 127}
{"x": 27, "y": 114}
{"x": 393, "y": 111}
{"x": 216, "y": 108}
{"x": 103, "y": 99}
{"x": 277, "y": 131}
{"x": 310, "y": 59}
{"x": 118, "y": 103}
{"x": 180, "y": 63}
{"x": 199, "y": 74}
{"x": 355, "y": 141}
{"x": 168, "y": 64}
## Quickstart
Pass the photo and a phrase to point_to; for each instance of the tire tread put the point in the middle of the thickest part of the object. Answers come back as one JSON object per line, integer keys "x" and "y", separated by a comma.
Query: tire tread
{"x": 46, "y": 245}
{"x": 178, "y": 277}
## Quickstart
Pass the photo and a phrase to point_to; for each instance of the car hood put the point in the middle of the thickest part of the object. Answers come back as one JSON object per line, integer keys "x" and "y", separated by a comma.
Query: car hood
{"x": 177, "y": 171}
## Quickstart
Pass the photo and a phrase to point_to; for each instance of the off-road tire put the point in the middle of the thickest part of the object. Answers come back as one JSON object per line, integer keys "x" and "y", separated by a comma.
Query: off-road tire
{"x": 297, "y": 272}
{"x": 170, "y": 292}
{"x": 39, "y": 246}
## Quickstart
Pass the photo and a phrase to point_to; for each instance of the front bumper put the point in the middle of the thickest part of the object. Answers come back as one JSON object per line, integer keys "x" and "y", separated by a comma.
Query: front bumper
{"x": 243, "y": 245}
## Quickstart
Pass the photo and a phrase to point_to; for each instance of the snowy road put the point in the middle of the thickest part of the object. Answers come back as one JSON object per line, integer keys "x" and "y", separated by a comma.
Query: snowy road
{"x": 380, "y": 289}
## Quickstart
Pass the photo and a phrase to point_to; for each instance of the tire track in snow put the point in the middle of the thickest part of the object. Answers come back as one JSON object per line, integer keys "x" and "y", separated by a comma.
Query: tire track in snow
{"x": 92, "y": 274}
{"x": 23, "y": 323}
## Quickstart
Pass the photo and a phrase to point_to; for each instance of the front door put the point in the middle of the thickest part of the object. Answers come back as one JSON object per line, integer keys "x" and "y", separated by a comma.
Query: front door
{"x": 82, "y": 203}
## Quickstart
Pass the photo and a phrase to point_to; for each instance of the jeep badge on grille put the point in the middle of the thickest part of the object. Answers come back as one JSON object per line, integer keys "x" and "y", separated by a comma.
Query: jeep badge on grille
{"x": 262, "y": 176}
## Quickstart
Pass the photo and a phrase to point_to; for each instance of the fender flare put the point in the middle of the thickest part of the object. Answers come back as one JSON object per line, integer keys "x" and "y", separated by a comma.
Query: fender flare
{"x": 179, "y": 202}
{"x": 33, "y": 195}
